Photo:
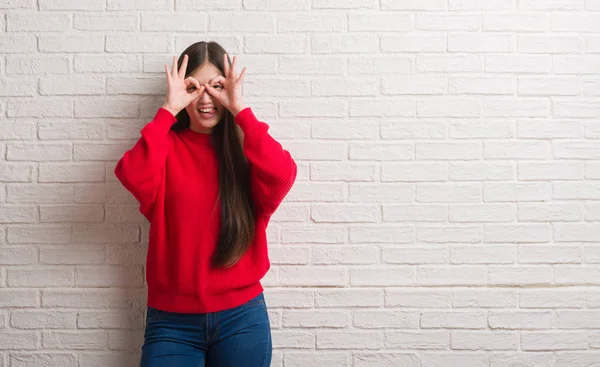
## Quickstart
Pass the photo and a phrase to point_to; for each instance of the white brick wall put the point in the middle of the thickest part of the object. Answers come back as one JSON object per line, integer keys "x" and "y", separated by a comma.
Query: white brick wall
{"x": 447, "y": 208}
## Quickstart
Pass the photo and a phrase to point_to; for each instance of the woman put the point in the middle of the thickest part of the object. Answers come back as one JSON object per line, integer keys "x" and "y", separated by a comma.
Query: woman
{"x": 208, "y": 177}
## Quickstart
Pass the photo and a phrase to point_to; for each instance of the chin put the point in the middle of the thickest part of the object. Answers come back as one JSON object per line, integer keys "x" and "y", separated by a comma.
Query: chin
{"x": 198, "y": 123}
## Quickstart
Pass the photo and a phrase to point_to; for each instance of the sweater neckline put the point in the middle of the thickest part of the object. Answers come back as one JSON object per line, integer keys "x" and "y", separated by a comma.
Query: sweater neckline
{"x": 204, "y": 138}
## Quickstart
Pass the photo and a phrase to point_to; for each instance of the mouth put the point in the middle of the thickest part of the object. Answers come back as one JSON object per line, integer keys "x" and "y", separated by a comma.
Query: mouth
{"x": 207, "y": 112}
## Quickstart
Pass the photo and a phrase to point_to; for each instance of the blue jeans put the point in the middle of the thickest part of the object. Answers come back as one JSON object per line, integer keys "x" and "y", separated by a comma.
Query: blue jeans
{"x": 240, "y": 336}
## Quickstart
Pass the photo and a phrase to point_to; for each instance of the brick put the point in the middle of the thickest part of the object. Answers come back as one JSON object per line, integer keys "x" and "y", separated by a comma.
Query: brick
{"x": 416, "y": 212}
{"x": 450, "y": 63}
{"x": 413, "y": 172}
{"x": 288, "y": 44}
{"x": 43, "y": 319}
{"x": 482, "y": 255}
{"x": 383, "y": 108}
{"x": 446, "y": 22}
{"x": 277, "y": 87}
{"x": 530, "y": 150}
{"x": 313, "y": 64}
{"x": 519, "y": 275}
{"x": 448, "y": 107}
{"x": 380, "y": 22}
{"x": 72, "y": 85}
{"x": 299, "y": 22}
{"x": 305, "y": 276}
{"x": 345, "y": 4}
{"x": 315, "y": 319}
{"x": 70, "y": 5}
{"x": 38, "y": 152}
{"x": 445, "y": 192}
{"x": 549, "y": 212}
{"x": 344, "y": 87}
{"x": 382, "y": 319}
{"x": 39, "y": 234}
{"x": 76, "y": 42}
{"x": 37, "y": 22}
{"x": 482, "y": 213}
{"x": 454, "y": 358}
{"x": 456, "y": 275}
{"x": 244, "y": 22}
{"x": 18, "y": 43}
{"x": 382, "y": 276}
{"x": 419, "y": 85}
{"x": 424, "y": 339}
{"x": 546, "y": 129}
{"x": 485, "y": 298}
{"x": 323, "y": 43}
{"x": 154, "y": 5}
{"x": 146, "y": 43}
{"x": 10, "y": 298}
{"x": 522, "y": 64}
{"x": 543, "y": 44}
{"x": 516, "y": 22}
{"x": 453, "y": 320}
{"x": 343, "y": 213}
{"x": 349, "y": 298}
{"x": 18, "y": 256}
{"x": 43, "y": 107}
{"x": 494, "y": 192}
{"x": 481, "y": 171}
{"x": 409, "y": 255}
{"x": 344, "y": 255}
{"x": 551, "y": 340}
{"x": 15, "y": 172}
{"x": 277, "y": 5}
{"x": 349, "y": 339}
{"x": 43, "y": 359}
{"x": 484, "y": 340}
{"x": 103, "y": 22}
{"x": 18, "y": 214}
{"x": 517, "y": 232}
{"x": 428, "y": 42}
{"x": 551, "y": 298}
{"x": 332, "y": 359}
{"x": 312, "y": 235}
{"x": 72, "y": 255}
{"x": 482, "y": 85}
{"x": 516, "y": 107}
{"x": 450, "y": 234}
{"x": 106, "y": 63}
{"x": 484, "y": 43}
{"x": 474, "y": 5}
{"x": 560, "y": 170}
{"x": 413, "y": 129}
{"x": 381, "y": 234}
{"x": 18, "y": 340}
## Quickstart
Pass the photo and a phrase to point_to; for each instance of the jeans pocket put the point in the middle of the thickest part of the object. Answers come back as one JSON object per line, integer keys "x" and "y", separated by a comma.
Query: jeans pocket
{"x": 256, "y": 301}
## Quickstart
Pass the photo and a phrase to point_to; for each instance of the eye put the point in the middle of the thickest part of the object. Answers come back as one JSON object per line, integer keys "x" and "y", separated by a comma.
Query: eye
{"x": 191, "y": 89}
{"x": 218, "y": 86}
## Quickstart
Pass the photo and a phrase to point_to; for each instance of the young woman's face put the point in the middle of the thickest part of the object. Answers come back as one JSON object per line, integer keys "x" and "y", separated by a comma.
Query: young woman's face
{"x": 205, "y": 112}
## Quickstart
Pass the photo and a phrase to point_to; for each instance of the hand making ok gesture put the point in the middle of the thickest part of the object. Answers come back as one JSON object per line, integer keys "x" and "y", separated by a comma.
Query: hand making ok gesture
{"x": 231, "y": 94}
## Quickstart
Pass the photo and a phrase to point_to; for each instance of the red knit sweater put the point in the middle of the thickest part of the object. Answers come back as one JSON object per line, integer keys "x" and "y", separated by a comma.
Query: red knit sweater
{"x": 174, "y": 176}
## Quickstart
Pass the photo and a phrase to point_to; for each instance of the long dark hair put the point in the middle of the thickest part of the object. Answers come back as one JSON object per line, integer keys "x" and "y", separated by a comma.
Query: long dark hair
{"x": 237, "y": 215}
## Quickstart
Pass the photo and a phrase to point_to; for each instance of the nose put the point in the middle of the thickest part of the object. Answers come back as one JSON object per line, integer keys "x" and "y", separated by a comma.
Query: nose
{"x": 205, "y": 97}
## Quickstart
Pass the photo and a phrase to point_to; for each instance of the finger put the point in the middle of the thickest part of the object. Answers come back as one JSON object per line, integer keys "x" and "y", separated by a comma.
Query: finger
{"x": 233, "y": 65}
{"x": 219, "y": 79}
{"x": 168, "y": 73}
{"x": 211, "y": 91}
{"x": 192, "y": 81}
{"x": 183, "y": 66}
{"x": 198, "y": 92}
{"x": 174, "y": 68}
{"x": 226, "y": 64}
{"x": 241, "y": 78}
